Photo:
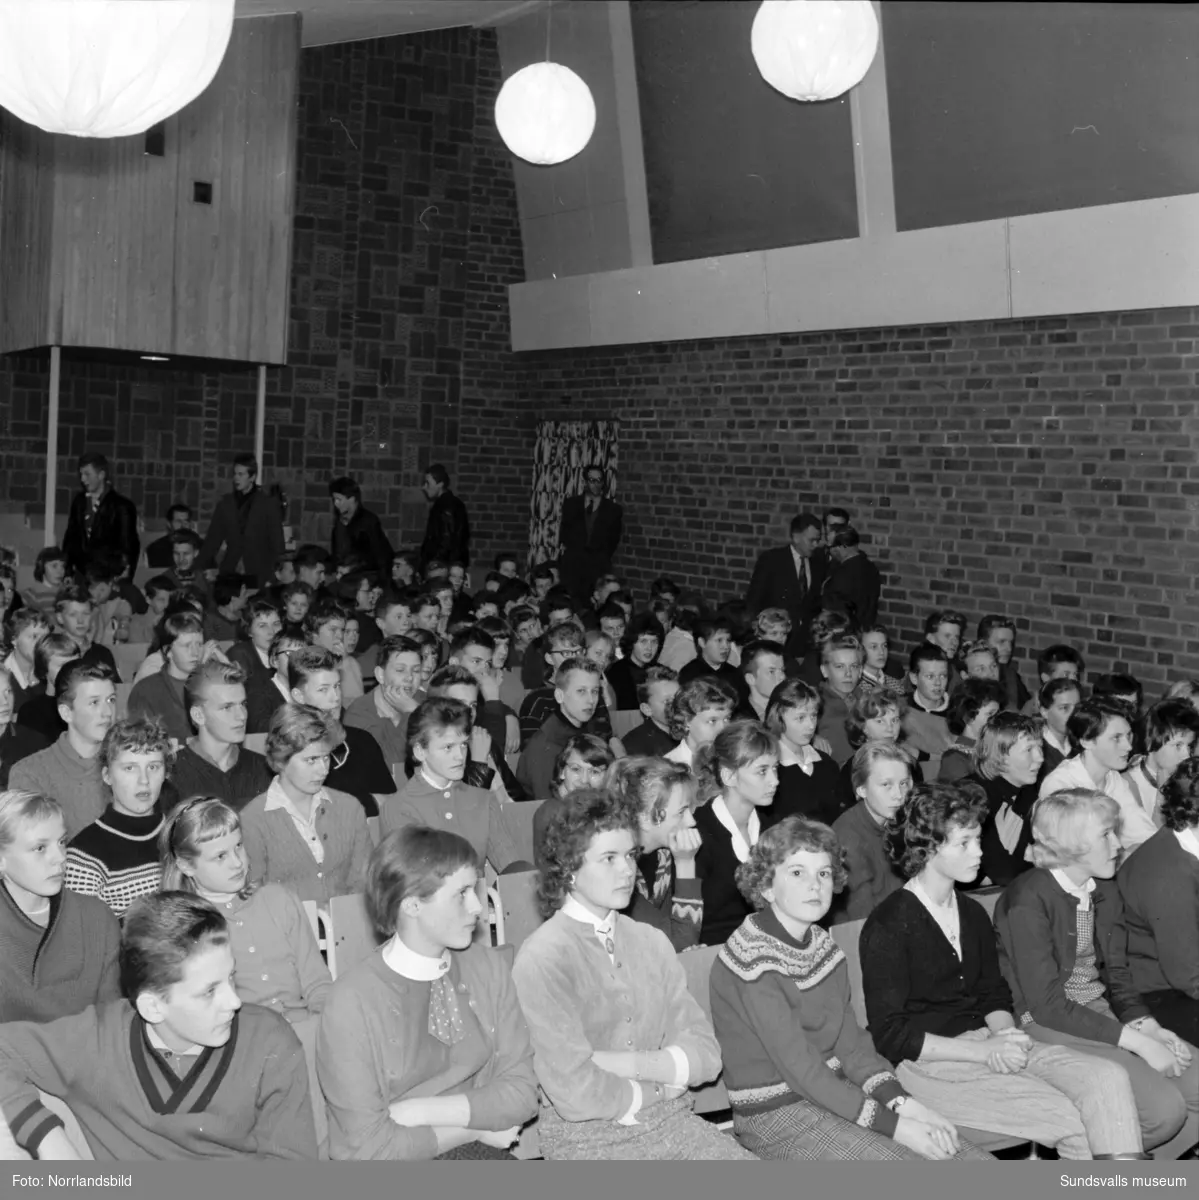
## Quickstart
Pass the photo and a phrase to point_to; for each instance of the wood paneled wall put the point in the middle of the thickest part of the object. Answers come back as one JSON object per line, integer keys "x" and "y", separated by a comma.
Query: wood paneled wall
{"x": 102, "y": 245}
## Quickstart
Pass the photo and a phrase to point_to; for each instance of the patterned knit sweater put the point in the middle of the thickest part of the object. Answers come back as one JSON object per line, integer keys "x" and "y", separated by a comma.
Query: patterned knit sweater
{"x": 787, "y": 1030}
{"x": 116, "y": 858}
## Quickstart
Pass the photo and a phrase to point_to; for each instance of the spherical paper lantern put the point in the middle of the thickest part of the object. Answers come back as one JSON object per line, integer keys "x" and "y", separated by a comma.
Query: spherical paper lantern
{"x": 814, "y": 49}
{"x": 108, "y": 68}
{"x": 545, "y": 113}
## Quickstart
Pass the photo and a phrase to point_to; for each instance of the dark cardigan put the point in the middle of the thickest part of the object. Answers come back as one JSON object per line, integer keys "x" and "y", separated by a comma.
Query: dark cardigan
{"x": 1159, "y": 885}
{"x": 914, "y": 983}
{"x": 1001, "y": 866}
{"x": 1036, "y": 920}
{"x": 799, "y": 794}
{"x": 716, "y": 866}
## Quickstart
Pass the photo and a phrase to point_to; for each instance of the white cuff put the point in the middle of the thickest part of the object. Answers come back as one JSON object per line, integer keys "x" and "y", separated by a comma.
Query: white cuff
{"x": 630, "y": 1116}
{"x": 682, "y": 1068}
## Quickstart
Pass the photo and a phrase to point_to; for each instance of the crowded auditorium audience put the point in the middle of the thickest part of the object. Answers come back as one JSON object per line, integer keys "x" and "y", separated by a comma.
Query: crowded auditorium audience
{"x": 481, "y": 866}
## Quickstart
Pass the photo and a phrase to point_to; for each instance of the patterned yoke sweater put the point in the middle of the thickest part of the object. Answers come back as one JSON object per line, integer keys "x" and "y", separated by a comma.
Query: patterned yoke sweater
{"x": 116, "y": 858}
{"x": 787, "y": 1030}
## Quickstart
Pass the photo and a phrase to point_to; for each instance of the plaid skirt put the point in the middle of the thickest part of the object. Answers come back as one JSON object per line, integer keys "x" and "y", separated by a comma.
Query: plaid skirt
{"x": 807, "y": 1131}
{"x": 668, "y": 1131}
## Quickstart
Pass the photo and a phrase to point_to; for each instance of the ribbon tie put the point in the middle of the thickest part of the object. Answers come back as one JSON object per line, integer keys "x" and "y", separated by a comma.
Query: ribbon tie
{"x": 445, "y": 1017}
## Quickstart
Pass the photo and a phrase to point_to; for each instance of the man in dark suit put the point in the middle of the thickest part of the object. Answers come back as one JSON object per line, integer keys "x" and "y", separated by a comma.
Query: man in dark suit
{"x": 589, "y": 535}
{"x": 101, "y": 523}
{"x": 792, "y": 577}
{"x": 358, "y": 532}
{"x": 853, "y": 580}
{"x": 248, "y": 523}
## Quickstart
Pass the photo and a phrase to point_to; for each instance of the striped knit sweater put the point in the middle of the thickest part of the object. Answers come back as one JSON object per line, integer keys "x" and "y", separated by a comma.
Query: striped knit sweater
{"x": 787, "y": 1030}
{"x": 116, "y": 858}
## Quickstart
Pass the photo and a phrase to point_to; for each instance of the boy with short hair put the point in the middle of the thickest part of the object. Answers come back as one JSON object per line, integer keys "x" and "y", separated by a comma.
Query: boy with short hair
{"x": 1000, "y": 633}
{"x": 178, "y": 1069}
{"x": 541, "y": 579}
{"x": 1058, "y": 661}
{"x": 74, "y": 615}
{"x": 1124, "y": 689}
{"x": 763, "y": 669}
{"x": 975, "y": 702}
{"x": 576, "y": 697}
{"x": 185, "y": 549}
{"x": 841, "y": 661}
{"x": 214, "y": 761}
{"x": 714, "y": 644}
{"x": 69, "y": 770}
{"x": 981, "y": 662}
{"x": 554, "y": 610}
{"x": 384, "y": 711}
{"x": 944, "y": 627}
{"x": 643, "y": 640}
{"x": 925, "y": 727}
{"x": 110, "y": 614}
{"x": 162, "y": 695}
{"x": 116, "y": 857}
{"x": 654, "y": 694}
{"x": 266, "y": 696}
{"x": 142, "y": 626}
{"x": 223, "y": 623}
{"x": 393, "y": 618}
{"x": 312, "y": 564}
{"x": 613, "y": 622}
{"x": 561, "y": 642}
{"x": 325, "y": 626}
{"x": 159, "y": 552}
{"x": 505, "y": 565}
{"x": 1056, "y": 700}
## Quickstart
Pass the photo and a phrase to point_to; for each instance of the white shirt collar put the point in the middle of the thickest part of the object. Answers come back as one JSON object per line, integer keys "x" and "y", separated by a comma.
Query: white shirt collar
{"x": 264, "y": 658}
{"x": 23, "y": 680}
{"x": 681, "y": 754}
{"x": 411, "y": 965}
{"x": 282, "y": 690}
{"x": 603, "y": 927}
{"x": 805, "y": 758}
{"x": 1188, "y": 839}
{"x": 276, "y": 797}
{"x": 741, "y": 848}
{"x": 1061, "y": 744}
{"x": 1082, "y": 893}
{"x": 163, "y": 1048}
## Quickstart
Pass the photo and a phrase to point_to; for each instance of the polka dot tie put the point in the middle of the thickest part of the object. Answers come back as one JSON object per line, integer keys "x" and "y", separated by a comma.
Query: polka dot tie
{"x": 445, "y": 1018}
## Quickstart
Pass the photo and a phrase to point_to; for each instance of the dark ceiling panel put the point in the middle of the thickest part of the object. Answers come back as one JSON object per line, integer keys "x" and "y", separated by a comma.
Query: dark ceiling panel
{"x": 1003, "y": 109}
{"x": 732, "y": 165}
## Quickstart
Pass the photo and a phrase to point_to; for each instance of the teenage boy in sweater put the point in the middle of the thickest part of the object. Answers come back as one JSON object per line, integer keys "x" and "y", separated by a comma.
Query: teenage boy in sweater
{"x": 384, "y": 712}
{"x": 576, "y": 692}
{"x": 394, "y": 617}
{"x": 215, "y": 761}
{"x": 654, "y": 695}
{"x": 178, "y": 1069}
{"x": 161, "y": 695}
{"x": 1058, "y": 661}
{"x": 714, "y": 641}
{"x": 74, "y": 615}
{"x": 116, "y": 857}
{"x": 944, "y": 628}
{"x": 762, "y": 670}
{"x": 925, "y": 726}
{"x": 841, "y": 660}
{"x": 70, "y": 769}
{"x": 999, "y": 633}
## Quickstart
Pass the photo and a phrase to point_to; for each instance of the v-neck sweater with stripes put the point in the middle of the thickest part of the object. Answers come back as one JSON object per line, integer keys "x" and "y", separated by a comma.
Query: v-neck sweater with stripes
{"x": 246, "y": 1099}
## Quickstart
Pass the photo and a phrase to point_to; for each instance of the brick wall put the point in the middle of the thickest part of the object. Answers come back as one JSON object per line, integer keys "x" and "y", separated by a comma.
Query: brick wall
{"x": 1044, "y": 468}
{"x": 406, "y": 236}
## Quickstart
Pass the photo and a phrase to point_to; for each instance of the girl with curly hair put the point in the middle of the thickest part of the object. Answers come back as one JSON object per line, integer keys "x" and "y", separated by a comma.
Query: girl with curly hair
{"x": 1159, "y": 885}
{"x": 940, "y": 1009}
{"x": 1063, "y": 948}
{"x": 804, "y": 1078}
{"x": 700, "y": 709}
{"x": 617, "y": 1038}
{"x": 738, "y": 774}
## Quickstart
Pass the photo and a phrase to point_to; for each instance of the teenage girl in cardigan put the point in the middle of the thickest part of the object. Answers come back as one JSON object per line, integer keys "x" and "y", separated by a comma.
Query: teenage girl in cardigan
{"x": 423, "y": 1051}
{"x": 278, "y": 963}
{"x": 617, "y": 1037}
{"x": 804, "y": 1078}
{"x": 939, "y": 1007}
{"x": 739, "y": 772}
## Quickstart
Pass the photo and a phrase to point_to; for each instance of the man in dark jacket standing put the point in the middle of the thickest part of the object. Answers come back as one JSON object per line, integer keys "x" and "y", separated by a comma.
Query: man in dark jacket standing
{"x": 588, "y": 535}
{"x": 853, "y": 579}
{"x": 792, "y": 577}
{"x": 357, "y": 532}
{"x": 101, "y": 522}
{"x": 447, "y": 534}
{"x": 248, "y": 523}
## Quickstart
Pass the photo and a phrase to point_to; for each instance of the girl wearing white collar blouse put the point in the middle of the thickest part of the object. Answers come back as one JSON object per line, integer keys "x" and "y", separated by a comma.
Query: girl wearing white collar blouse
{"x": 423, "y": 1051}
{"x": 738, "y": 772}
{"x": 278, "y": 962}
{"x": 617, "y": 1037}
